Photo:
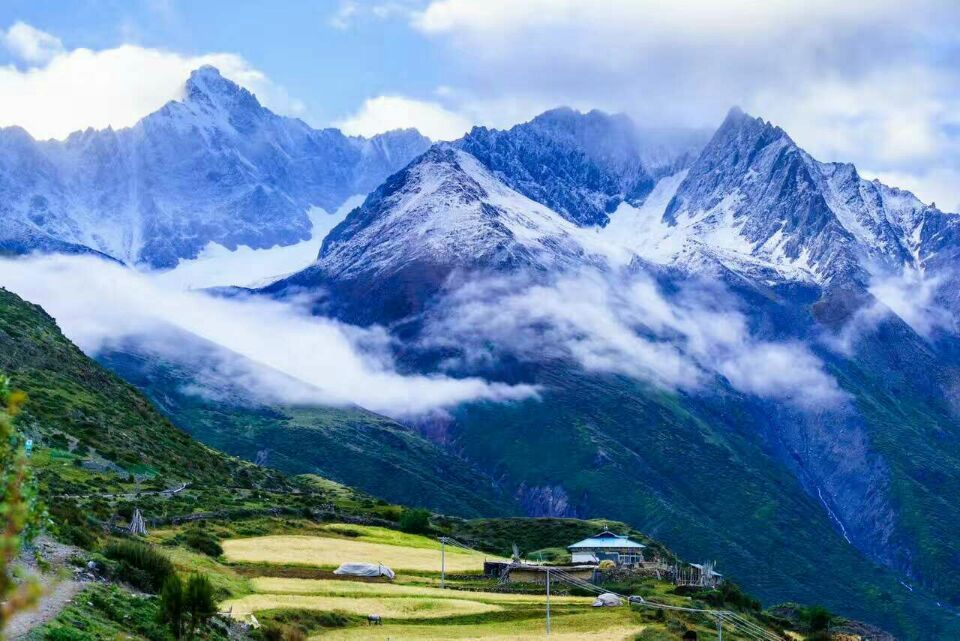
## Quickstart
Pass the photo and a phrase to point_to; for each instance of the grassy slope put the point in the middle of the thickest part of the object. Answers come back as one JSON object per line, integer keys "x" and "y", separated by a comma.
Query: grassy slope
{"x": 349, "y": 445}
{"x": 69, "y": 394}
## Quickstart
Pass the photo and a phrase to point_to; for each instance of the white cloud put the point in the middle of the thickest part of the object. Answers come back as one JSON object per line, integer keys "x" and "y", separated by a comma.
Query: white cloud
{"x": 217, "y": 266}
{"x": 384, "y": 113}
{"x": 629, "y": 326}
{"x": 96, "y": 303}
{"x": 912, "y": 296}
{"x": 31, "y": 45}
{"x": 349, "y": 12}
{"x": 909, "y": 295}
{"x": 869, "y": 81}
{"x": 112, "y": 87}
{"x": 344, "y": 15}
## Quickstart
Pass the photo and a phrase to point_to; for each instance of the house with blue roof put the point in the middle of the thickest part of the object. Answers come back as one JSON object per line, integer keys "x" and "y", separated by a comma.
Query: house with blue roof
{"x": 607, "y": 546}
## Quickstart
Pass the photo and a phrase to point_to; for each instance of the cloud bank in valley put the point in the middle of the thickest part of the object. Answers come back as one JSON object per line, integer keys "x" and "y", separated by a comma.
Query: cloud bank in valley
{"x": 630, "y": 326}
{"x": 911, "y": 296}
{"x": 303, "y": 358}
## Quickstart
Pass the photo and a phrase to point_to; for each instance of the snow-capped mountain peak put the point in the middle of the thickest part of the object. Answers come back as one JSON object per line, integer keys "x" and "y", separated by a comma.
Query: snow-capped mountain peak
{"x": 444, "y": 214}
{"x": 214, "y": 167}
{"x": 781, "y": 208}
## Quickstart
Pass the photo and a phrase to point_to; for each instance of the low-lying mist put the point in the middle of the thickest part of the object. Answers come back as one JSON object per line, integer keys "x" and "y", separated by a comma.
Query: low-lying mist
{"x": 305, "y": 358}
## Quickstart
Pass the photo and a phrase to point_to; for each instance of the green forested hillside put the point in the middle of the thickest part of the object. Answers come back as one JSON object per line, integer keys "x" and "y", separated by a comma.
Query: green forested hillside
{"x": 103, "y": 450}
{"x": 347, "y": 444}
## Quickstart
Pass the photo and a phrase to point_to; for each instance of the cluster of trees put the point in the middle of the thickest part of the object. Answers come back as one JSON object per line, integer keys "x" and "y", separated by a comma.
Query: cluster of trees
{"x": 415, "y": 521}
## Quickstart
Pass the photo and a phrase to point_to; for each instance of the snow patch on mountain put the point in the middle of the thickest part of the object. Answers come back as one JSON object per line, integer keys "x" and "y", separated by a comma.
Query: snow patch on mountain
{"x": 448, "y": 208}
{"x": 218, "y": 266}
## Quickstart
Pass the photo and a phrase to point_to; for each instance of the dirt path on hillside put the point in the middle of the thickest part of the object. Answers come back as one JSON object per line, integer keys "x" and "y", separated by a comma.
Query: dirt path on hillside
{"x": 54, "y": 599}
{"x": 59, "y": 584}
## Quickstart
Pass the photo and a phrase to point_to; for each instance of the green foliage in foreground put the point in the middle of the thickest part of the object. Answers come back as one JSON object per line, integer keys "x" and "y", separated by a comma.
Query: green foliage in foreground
{"x": 18, "y": 510}
{"x": 172, "y": 604}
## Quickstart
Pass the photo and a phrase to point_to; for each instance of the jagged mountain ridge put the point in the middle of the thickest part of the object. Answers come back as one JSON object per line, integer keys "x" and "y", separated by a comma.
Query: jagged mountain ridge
{"x": 213, "y": 167}
{"x": 486, "y": 203}
{"x": 582, "y": 165}
{"x": 754, "y": 194}
{"x": 445, "y": 213}
{"x": 750, "y": 201}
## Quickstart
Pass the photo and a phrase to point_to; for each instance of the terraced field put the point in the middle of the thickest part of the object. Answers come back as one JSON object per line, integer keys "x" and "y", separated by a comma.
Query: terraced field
{"x": 342, "y": 544}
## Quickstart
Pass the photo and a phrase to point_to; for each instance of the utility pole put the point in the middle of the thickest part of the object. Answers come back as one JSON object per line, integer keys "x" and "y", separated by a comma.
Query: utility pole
{"x": 443, "y": 562}
{"x": 548, "y": 601}
{"x": 720, "y": 627}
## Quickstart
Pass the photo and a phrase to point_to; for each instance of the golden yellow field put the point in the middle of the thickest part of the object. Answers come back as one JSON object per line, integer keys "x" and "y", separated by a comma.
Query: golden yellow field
{"x": 322, "y": 551}
{"x": 272, "y": 585}
{"x": 387, "y": 607}
{"x": 523, "y": 631}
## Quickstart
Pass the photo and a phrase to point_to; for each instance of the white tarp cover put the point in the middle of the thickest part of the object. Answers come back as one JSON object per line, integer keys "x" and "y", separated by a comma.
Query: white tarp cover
{"x": 364, "y": 569}
{"x": 584, "y": 557}
{"x": 607, "y": 600}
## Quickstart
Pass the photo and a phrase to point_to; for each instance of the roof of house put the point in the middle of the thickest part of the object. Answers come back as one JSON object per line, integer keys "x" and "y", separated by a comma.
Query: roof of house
{"x": 700, "y": 566}
{"x": 606, "y": 539}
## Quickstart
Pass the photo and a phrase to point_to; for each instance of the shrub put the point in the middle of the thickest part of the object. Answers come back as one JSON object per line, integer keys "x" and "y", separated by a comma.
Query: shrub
{"x": 18, "y": 509}
{"x": 63, "y": 633}
{"x": 139, "y": 564}
{"x": 309, "y": 620}
{"x": 392, "y": 513}
{"x": 731, "y": 593}
{"x": 279, "y": 632}
{"x": 203, "y": 542}
{"x": 415, "y": 521}
{"x": 817, "y": 618}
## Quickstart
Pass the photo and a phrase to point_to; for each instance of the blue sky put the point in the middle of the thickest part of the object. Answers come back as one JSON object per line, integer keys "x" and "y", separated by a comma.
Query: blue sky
{"x": 875, "y": 82}
{"x": 330, "y": 69}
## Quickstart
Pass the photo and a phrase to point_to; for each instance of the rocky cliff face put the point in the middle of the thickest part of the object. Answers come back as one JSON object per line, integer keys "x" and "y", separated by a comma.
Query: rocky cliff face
{"x": 582, "y": 165}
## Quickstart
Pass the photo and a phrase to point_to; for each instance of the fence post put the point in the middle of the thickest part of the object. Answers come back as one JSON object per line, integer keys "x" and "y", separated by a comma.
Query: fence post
{"x": 548, "y": 601}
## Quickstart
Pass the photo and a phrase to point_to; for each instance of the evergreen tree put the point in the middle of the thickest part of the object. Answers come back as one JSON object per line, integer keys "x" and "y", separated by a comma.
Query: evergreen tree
{"x": 172, "y": 604}
{"x": 199, "y": 602}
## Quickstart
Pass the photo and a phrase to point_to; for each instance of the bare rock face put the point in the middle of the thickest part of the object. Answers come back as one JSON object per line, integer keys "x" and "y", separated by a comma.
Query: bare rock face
{"x": 549, "y": 500}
